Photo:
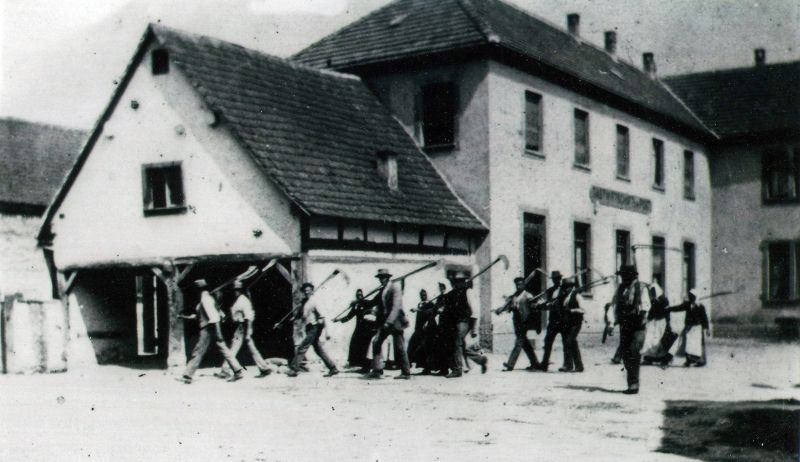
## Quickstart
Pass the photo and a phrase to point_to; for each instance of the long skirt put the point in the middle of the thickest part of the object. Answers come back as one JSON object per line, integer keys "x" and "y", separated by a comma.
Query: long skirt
{"x": 653, "y": 349}
{"x": 692, "y": 344}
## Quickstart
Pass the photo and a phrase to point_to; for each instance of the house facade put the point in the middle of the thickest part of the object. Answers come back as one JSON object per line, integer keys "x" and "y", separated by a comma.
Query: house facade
{"x": 576, "y": 159}
{"x": 756, "y": 207}
{"x": 211, "y": 159}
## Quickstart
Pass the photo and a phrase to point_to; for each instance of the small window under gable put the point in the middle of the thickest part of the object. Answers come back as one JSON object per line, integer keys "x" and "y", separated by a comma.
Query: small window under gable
{"x": 163, "y": 189}
{"x": 159, "y": 61}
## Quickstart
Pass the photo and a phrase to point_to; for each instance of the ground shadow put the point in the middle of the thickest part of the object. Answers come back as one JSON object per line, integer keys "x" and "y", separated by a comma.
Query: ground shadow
{"x": 588, "y": 388}
{"x": 766, "y": 431}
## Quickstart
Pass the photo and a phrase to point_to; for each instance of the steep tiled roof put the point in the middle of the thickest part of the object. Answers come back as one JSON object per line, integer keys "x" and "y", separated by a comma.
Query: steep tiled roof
{"x": 34, "y": 159}
{"x": 744, "y": 101}
{"x": 412, "y": 28}
{"x": 316, "y": 134}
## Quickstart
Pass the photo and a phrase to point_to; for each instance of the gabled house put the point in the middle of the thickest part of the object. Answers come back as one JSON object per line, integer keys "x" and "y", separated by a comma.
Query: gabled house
{"x": 756, "y": 201}
{"x": 210, "y": 158}
{"x": 34, "y": 159}
{"x": 578, "y": 160}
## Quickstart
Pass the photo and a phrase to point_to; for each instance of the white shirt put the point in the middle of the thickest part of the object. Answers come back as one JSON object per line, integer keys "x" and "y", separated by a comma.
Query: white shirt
{"x": 242, "y": 309}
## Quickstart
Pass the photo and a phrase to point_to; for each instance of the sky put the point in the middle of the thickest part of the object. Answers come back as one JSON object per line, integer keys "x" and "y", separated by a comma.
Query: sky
{"x": 59, "y": 58}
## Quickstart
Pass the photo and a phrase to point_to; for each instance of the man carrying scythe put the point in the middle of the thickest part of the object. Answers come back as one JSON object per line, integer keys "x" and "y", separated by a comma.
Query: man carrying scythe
{"x": 629, "y": 308}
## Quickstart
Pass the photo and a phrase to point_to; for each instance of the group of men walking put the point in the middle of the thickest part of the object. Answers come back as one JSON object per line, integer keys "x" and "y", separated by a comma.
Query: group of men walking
{"x": 439, "y": 341}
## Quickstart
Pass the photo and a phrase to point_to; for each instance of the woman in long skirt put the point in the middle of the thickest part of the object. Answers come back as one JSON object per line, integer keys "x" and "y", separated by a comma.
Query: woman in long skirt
{"x": 692, "y": 343}
{"x": 658, "y": 333}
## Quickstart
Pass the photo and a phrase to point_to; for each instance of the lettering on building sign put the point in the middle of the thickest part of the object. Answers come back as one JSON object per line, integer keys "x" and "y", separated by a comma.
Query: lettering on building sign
{"x": 620, "y": 200}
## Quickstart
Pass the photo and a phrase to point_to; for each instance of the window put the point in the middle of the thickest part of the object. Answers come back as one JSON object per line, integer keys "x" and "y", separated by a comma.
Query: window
{"x": 688, "y": 175}
{"x": 782, "y": 271}
{"x": 780, "y": 175}
{"x": 623, "y": 152}
{"x": 660, "y": 261}
{"x": 438, "y": 114}
{"x": 623, "y": 250}
{"x": 163, "y": 189}
{"x": 658, "y": 164}
{"x": 159, "y": 60}
{"x": 689, "y": 275}
{"x": 582, "y": 259}
{"x": 581, "y": 138}
{"x": 534, "y": 244}
{"x": 533, "y": 122}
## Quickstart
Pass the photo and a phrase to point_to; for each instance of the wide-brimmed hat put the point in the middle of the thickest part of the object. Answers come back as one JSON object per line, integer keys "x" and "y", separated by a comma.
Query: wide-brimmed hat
{"x": 460, "y": 275}
{"x": 383, "y": 273}
{"x": 627, "y": 270}
{"x": 519, "y": 279}
{"x": 306, "y": 284}
{"x": 555, "y": 275}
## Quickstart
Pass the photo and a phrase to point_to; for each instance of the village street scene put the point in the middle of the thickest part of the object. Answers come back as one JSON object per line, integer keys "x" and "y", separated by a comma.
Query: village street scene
{"x": 400, "y": 230}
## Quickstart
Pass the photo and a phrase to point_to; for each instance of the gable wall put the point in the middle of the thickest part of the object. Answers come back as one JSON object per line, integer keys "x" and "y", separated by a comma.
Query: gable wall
{"x": 229, "y": 200}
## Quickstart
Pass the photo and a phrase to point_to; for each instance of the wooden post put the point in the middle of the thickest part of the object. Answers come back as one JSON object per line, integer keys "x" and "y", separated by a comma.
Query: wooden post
{"x": 172, "y": 277}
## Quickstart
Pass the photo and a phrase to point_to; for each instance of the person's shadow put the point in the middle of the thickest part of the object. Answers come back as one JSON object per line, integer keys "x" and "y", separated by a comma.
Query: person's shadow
{"x": 590, "y": 389}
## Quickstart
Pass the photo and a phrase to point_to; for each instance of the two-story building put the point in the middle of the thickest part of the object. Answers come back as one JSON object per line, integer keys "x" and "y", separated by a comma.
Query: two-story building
{"x": 575, "y": 158}
{"x": 211, "y": 158}
{"x": 755, "y": 111}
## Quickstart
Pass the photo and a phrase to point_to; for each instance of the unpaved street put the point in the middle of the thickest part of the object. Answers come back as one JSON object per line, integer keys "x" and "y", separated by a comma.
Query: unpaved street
{"x": 114, "y": 413}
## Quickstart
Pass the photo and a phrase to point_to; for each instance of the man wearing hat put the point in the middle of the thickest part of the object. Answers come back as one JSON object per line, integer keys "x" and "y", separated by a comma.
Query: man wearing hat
{"x": 572, "y": 312}
{"x": 457, "y": 321}
{"x": 391, "y": 320}
{"x": 555, "y": 325}
{"x": 521, "y": 306}
{"x": 243, "y": 316}
{"x": 209, "y": 317}
{"x": 314, "y": 325}
{"x": 629, "y": 307}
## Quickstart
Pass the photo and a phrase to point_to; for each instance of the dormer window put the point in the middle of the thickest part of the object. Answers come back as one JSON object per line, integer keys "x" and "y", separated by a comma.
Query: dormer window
{"x": 387, "y": 168}
{"x": 163, "y": 189}
{"x": 159, "y": 61}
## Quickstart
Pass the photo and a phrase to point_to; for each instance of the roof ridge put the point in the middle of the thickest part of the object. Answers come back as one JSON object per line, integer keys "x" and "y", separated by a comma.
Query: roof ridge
{"x": 252, "y": 52}
{"x": 731, "y": 70}
{"x": 43, "y": 124}
{"x": 480, "y": 24}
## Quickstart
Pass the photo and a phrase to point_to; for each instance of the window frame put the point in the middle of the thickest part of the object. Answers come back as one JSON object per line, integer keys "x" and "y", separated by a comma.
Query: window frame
{"x": 664, "y": 267}
{"x": 794, "y": 273}
{"x": 577, "y": 115}
{"x": 628, "y": 251}
{"x": 147, "y": 207}
{"x": 539, "y": 150}
{"x": 623, "y": 129}
{"x": 658, "y": 159}
{"x": 585, "y": 277}
{"x": 794, "y": 154}
{"x": 422, "y": 110}
{"x": 688, "y": 266}
{"x": 689, "y": 175}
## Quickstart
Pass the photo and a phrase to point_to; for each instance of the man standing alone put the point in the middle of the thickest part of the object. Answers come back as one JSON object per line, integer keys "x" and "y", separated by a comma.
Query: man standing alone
{"x": 629, "y": 307}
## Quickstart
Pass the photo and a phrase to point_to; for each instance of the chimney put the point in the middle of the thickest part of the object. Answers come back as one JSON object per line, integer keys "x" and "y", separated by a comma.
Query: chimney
{"x": 611, "y": 42}
{"x": 649, "y": 64}
{"x": 387, "y": 168}
{"x": 760, "y": 56}
{"x": 574, "y": 24}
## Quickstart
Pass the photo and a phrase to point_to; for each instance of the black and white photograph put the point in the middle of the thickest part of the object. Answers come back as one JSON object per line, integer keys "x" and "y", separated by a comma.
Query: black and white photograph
{"x": 400, "y": 230}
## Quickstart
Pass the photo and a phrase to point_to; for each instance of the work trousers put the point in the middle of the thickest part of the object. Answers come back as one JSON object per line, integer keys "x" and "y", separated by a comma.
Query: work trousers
{"x": 572, "y": 352}
{"x": 399, "y": 348}
{"x": 243, "y": 335}
{"x": 210, "y": 333}
{"x": 553, "y": 328}
{"x": 522, "y": 344}
{"x": 631, "y": 339}
{"x": 460, "y": 353}
{"x": 313, "y": 332}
